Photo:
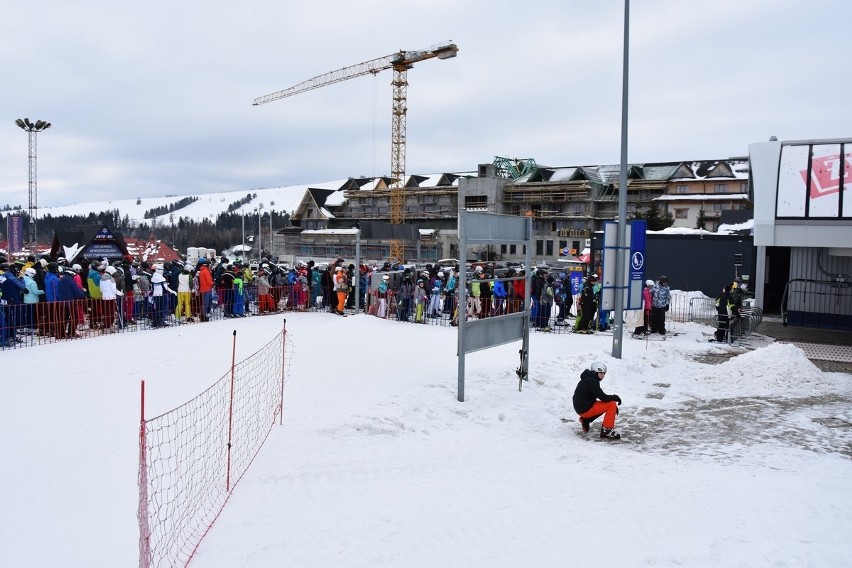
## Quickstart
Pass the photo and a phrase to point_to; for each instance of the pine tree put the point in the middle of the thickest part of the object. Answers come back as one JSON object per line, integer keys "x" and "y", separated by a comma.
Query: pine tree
{"x": 656, "y": 219}
{"x": 700, "y": 224}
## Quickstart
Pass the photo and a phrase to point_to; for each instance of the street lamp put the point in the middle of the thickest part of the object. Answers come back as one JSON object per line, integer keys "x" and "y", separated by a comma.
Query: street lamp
{"x": 32, "y": 129}
{"x": 259, "y": 231}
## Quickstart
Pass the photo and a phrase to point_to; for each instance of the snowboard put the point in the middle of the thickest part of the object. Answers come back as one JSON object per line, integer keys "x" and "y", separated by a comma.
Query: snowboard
{"x": 593, "y": 434}
{"x": 655, "y": 336}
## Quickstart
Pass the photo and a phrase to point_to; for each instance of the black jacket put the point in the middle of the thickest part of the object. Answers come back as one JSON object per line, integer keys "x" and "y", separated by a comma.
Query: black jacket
{"x": 588, "y": 391}
{"x": 587, "y": 297}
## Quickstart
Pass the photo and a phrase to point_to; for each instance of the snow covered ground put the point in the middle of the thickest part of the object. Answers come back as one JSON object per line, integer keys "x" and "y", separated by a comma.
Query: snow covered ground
{"x": 744, "y": 463}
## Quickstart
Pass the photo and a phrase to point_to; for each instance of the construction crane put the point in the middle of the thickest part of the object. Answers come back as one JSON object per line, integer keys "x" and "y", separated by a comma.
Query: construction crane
{"x": 400, "y": 62}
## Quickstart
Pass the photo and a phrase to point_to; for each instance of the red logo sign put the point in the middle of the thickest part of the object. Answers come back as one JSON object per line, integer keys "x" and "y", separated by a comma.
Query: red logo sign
{"x": 825, "y": 174}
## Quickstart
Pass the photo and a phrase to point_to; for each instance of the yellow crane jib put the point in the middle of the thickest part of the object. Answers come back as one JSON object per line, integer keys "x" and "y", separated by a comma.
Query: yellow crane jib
{"x": 400, "y": 62}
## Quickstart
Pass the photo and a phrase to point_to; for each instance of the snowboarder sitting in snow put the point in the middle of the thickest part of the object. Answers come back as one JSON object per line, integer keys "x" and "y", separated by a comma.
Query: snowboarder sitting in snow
{"x": 590, "y": 401}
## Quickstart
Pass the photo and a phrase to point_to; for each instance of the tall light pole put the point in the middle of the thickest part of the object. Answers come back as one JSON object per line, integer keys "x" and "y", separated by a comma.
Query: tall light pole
{"x": 32, "y": 129}
{"x": 621, "y": 277}
{"x": 259, "y": 231}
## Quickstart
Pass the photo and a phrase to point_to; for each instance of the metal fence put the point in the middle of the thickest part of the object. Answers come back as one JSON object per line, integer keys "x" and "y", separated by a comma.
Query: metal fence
{"x": 49, "y": 322}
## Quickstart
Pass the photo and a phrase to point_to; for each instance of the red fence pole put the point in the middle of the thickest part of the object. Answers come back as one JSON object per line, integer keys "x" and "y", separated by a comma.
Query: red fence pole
{"x": 144, "y": 529}
{"x": 283, "y": 368}
{"x": 231, "y": 413}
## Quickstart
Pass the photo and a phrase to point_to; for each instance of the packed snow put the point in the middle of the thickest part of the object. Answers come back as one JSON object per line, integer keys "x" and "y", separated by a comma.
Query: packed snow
{"x": 747, "y": 462}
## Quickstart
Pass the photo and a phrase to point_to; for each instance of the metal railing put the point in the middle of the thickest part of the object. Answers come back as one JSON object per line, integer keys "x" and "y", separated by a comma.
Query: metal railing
{"x": 817, "y": 303}
{"x": 49, "y": 322}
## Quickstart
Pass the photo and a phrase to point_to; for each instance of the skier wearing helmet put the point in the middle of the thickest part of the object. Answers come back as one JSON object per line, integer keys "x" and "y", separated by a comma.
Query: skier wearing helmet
{"x": 590, "y": 401}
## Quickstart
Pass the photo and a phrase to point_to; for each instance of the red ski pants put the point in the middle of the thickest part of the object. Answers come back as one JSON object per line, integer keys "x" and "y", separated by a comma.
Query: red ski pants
{"x": 608, "y": 409}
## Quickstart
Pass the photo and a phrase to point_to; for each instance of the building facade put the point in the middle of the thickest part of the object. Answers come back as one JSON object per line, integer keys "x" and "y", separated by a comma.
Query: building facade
{"x": 803, "y": 230}
{"x": 567, "y": 205}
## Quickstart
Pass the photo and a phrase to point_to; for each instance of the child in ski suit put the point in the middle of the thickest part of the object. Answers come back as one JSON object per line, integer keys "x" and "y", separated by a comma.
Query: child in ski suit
{"x": 435, "y": 302}
{"x": 184, "y": 293}
{"x": 341, "y": 286}
{"x": 382, "y": 295}
{"x": 420, "y": 299}
{"x": 239, "y": 309}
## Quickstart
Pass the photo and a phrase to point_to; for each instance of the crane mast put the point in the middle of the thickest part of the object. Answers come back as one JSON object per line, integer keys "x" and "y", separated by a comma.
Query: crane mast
{"x": 400, "y": 62}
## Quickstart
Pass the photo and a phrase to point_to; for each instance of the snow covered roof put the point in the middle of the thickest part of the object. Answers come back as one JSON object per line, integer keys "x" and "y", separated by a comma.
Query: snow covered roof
{"x": 734, "y": 168}
{"x": 330, "y": 232}
{"x": 704, "y": 197}
{"x": 723, "y": 230}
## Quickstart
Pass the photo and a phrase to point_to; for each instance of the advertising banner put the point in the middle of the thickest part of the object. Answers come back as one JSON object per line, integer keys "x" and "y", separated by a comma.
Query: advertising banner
{"x": 15, "y": 232}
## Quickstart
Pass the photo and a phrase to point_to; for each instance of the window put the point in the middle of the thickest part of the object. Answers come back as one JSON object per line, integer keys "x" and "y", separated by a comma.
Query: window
{"x": 810, "y": 180}
{"x": 792, "y": 191}
{"x": 549, "y": 248}
{"x": 539, "y": 247}
{"x": 720, "y": 188}
{"x": 681, "y": 188}
{"x": 681, "y": 213}
{"x": 826, "y": 177}
{"x": 475, "y": 201}
{"x": 579, "y": 209}
{"x": 512, "y": 249}
{"x": 503, "y": 249}
{"x": 744, "y": 187}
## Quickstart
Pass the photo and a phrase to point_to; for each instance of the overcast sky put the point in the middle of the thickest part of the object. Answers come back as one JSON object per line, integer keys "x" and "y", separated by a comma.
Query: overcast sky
{"x": 153, "y": 99}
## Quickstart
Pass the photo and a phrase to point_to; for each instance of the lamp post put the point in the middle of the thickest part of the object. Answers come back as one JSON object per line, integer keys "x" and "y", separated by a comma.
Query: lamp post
{"x": 259, "y": 231}
{"x": 621, "y": 275}
{"x": 32, "y": 129}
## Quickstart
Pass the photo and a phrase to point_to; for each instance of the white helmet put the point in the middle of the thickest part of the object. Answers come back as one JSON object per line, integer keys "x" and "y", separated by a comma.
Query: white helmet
{"x": 649, "y": 283}
{"x": 598, "y": 367}
{"x": 110, "y": 270}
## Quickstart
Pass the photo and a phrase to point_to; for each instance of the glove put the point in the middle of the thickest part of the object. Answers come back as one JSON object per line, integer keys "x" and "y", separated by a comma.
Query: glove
{"x": 119, "y": 293}
{"x": 617, "y": 399}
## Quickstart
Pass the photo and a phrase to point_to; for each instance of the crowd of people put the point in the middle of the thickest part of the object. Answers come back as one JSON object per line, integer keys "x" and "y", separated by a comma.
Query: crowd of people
{"x": 51, "y": 298}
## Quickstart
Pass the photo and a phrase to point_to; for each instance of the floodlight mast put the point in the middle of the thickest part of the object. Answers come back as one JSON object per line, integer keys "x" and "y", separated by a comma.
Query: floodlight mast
{"x": 400, "y": 62}
{"x": 32, "y": 129}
